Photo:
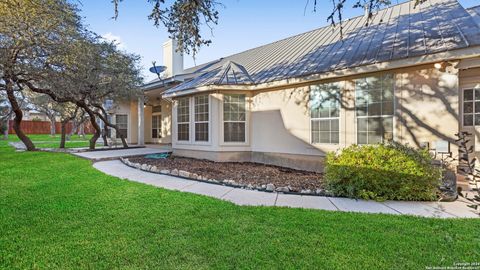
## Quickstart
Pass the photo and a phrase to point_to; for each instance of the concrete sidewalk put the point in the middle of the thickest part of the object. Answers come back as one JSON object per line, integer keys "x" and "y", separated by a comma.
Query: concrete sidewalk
{"x": 457, "y": 209}
{"x": 109, "y": 154}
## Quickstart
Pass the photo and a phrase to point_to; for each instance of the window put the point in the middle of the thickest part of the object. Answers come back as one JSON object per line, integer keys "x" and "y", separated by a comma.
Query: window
{"x": 122, "y": 123}
{"x": 234, "y": 118}
{"x": 374, "y": 103}
{"x": 157, "y": 109}
{"x": 325, "y": 113}
{"x": 201, "y": 118}
{"x": 183, "y": 119}
{"x": 471, "y": 107}
{"x": 156, "y": 126}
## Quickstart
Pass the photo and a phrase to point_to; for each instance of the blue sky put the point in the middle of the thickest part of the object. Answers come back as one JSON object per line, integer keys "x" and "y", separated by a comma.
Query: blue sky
{"x": 243, "y": 24}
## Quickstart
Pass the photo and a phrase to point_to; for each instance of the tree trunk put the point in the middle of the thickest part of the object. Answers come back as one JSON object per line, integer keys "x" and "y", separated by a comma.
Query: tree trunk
{"x": 104, "y": 136}
{"x": 73, "y": 130}
{"x": 18, "y": 117}
{"x": 7, "y": 127}
{"x": 94, "y": 123}
{"x": 64, "y": 134}
{"x": 103, "y": 117}
{"x": 81, "y": 130}
{"x": 52, "y": 125}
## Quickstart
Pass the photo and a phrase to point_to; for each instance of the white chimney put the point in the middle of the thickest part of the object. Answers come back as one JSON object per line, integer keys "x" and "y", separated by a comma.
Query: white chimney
{"x": 172, "y": 59}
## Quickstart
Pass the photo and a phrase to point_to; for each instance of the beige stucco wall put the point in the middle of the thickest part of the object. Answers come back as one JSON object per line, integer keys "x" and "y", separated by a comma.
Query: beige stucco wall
{"x": 166, "y": 119}
{"x": 278, "y": 125}
{"x": 130, "y": 109}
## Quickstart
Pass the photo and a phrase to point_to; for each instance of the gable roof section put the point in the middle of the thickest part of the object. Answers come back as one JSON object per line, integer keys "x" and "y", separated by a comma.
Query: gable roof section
{"x": 398, "y": 32}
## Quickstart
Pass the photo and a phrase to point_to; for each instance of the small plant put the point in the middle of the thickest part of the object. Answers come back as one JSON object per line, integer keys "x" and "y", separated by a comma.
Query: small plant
{"x": 382, "y": 172}
{"x": 466, "y": 165}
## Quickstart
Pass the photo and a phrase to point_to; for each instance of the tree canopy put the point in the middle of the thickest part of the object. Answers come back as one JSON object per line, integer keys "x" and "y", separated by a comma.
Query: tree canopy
{"x": 45, "y": 48}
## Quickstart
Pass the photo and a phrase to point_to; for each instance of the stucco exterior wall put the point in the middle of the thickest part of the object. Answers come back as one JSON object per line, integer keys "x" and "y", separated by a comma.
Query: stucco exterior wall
{"x": 278, "y": 121}
{"x": 128, "y": 109}
{"x": 166, "y": 122}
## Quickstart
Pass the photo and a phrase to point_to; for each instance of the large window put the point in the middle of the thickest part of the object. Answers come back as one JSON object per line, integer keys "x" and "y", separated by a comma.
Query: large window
{"x": 121, "y": 121}
{"x": 201, "y": 118}
{"x": 234, "y": 118}
{"x": 183, "y": 119}
{"x": 325, "y": 113}
{"x": 156, "y": 126}
{"x": 471, "y": 107}
{"x": 374, "y": 103}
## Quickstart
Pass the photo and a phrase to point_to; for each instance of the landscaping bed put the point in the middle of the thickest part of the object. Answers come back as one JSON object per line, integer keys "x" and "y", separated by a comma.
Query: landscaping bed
{"x": 242, "y": 174}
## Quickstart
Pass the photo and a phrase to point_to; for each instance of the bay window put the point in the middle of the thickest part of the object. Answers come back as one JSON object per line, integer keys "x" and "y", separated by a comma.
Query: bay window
{"x": 234, "y": 118}
{"x": 201, "y": 118}
{"x": 183, "y": 119}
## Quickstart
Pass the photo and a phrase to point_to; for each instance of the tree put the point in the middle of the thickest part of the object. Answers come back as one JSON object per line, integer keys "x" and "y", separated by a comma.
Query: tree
{"x": 32, "y": 33}
{"x": 45, "y": 49}
{"x": 97, "y": 71}
{"x": 5, "y": 114}
{"x": 68, "y": 112}
{"x": 47, "y": 106}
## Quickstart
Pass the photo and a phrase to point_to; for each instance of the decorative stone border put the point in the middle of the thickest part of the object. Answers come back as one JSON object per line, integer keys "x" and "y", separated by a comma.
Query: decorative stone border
{"x": 227, "y": 182}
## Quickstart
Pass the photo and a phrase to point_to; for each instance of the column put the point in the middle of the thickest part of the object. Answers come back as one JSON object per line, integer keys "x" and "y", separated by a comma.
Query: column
{"x": 141, "y": 121}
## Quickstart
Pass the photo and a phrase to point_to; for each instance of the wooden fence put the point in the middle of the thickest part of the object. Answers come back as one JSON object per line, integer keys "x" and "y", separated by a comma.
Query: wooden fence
{"x": 43, "y": 127}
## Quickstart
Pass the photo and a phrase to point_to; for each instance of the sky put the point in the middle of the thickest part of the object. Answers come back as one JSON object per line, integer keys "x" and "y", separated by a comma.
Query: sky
{"x": 243, "y": 24}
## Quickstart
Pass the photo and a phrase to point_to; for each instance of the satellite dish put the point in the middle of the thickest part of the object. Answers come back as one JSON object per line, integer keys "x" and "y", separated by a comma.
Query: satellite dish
{"x": 157, "y": 69}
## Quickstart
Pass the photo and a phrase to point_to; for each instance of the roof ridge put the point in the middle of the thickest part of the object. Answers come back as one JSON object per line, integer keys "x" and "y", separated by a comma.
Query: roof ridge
{"x": 299, "y": 34}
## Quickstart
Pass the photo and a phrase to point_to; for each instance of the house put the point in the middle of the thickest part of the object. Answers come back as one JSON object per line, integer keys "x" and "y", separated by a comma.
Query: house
{"x": 411, "y": 74}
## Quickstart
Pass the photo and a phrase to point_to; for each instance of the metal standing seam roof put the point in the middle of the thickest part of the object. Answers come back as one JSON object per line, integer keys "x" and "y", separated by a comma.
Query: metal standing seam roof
{"x": 397, "y": 32}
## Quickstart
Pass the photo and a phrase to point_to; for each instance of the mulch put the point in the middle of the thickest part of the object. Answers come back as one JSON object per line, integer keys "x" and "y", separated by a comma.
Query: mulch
{"x": 241, "y": 172}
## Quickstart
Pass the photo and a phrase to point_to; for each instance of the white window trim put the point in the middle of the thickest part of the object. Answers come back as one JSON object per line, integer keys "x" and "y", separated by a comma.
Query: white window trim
{"x": 463, "y": 105}
{"x": 159, "y": 129}
{"x": 194, "y": 141}
{"x": 189, "y": 122}
{"x": 247, "y": 121}
{"x": 394, "y": 115}
{"x": 340, "y": 114}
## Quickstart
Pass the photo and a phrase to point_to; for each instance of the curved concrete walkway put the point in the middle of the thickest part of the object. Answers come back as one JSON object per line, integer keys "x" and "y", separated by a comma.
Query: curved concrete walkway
{"x": 239, "y": 196}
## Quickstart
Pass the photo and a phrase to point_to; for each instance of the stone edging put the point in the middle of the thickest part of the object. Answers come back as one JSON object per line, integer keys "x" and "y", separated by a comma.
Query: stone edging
{"x": 230, "y": 183}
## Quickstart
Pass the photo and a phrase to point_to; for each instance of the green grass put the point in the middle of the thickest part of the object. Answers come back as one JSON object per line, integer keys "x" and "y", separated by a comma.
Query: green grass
{"x": 47, "y": 141}
{"x": 56, "y": 211}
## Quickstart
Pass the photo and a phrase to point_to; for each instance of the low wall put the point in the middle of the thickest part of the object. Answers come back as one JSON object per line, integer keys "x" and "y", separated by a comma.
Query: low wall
{"x": 294, "y": 161}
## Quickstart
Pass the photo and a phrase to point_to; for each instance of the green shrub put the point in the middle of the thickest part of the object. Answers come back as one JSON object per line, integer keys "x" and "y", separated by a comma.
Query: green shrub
{"x": 382, "y": 172}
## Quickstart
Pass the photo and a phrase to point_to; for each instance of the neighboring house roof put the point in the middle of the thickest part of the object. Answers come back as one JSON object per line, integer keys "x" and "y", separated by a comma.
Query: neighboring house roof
{"x": 398, "y": 32}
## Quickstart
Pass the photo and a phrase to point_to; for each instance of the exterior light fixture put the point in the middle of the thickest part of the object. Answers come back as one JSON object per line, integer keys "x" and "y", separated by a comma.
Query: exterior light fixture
{"x": 438, "y": 65}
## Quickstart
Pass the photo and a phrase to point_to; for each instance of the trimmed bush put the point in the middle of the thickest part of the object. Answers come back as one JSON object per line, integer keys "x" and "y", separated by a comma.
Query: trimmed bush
{"x": 382, "y": 172}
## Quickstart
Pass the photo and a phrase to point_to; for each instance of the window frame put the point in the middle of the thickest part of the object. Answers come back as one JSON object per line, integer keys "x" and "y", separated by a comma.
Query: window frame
{"x": 127, "y": 125}
{"x": 394, "y": 106}
{"x": 177, "y": 123}
{"x": 246, "y": 121}
{"x": 339, "y": 117}
{"x": 473, "y": 113}
{"x": 159, "y": 127}
{"x": 209, "y": 115}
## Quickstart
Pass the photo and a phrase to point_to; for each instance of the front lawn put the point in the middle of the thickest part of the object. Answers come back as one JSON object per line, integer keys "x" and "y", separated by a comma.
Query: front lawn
{"x": 47, "y": 141}
{"x": 56, "y": 211}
